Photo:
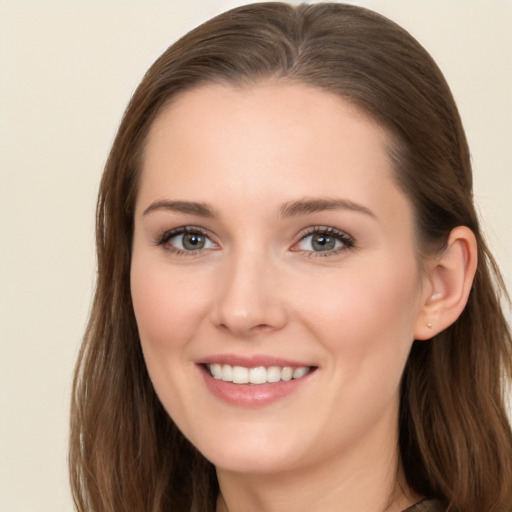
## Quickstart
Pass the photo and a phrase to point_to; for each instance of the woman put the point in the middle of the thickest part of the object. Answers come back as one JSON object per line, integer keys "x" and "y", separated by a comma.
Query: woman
{"x": 295, "y": 306}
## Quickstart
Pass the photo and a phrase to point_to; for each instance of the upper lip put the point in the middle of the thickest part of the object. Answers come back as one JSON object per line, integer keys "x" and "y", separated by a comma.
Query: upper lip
{"x": 252, "y": 361}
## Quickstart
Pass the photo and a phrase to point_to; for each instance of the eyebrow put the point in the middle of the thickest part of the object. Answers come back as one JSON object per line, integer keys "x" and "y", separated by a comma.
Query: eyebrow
{"x": 187, "y": 207}
{"x": 314, "y": 205}
{"x": 292, "y": 209}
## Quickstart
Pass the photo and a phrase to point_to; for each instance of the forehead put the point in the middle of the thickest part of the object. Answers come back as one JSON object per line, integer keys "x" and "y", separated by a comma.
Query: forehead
{"x": 276, "y": 141}
{"x": 276, "y": 103}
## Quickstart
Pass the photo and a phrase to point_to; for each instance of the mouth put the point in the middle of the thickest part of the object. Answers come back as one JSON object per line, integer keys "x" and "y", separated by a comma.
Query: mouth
{"x": 254, "y": 381}
{"x": 257, "y": 375}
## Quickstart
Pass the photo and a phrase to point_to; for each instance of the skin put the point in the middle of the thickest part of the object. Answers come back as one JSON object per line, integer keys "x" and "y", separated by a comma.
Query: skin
{"x": 258, "y": 288}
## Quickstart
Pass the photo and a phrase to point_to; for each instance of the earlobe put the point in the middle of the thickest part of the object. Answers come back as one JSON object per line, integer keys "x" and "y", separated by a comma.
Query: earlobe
{"x": 450, "y": 277}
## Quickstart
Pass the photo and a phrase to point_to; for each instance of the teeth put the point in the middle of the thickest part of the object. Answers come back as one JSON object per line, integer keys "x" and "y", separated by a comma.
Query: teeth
{"x": 258, "y": 375}
{"x": 240, "y": 374}
{"x": 273, "y": 374}
{"x": 216, "y": 370}
{"x": 300, "y": 372}
{"x": 227, "y": 373}
{"x": 286, "y": 373}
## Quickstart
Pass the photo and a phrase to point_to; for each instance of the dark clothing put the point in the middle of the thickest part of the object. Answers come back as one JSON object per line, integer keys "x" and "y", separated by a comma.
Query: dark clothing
{"x": 426, "y": 506}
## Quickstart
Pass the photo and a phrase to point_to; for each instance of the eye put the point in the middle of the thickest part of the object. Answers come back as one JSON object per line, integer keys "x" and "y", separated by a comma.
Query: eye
{"x": 324, "y": 240}
{"x": 186, "y": 239}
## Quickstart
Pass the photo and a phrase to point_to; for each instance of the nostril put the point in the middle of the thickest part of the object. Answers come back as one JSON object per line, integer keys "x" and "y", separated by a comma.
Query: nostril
{"x": 261, "y": 327}
{"x": 244, "y": 330}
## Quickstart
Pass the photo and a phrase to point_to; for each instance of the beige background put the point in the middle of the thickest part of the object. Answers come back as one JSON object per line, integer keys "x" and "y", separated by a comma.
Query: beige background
{"x": 67, "y": 70}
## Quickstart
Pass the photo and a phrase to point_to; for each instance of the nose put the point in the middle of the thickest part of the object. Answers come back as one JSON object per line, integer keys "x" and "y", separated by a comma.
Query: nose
{"x": 249, "y": 299}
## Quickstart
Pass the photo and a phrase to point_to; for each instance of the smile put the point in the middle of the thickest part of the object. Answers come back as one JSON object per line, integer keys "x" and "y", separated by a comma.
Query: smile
{"x": 257, "y": 375}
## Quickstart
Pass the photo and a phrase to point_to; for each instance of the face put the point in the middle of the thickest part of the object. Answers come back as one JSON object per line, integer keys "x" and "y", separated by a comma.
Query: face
{"x": 274, "y": 276}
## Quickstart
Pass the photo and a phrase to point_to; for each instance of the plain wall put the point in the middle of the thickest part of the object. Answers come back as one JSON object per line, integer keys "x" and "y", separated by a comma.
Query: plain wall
{"x": 67, "y": 70}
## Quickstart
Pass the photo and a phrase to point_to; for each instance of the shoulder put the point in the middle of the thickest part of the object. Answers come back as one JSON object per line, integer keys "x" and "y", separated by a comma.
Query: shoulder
{"x": 426, "y": 506}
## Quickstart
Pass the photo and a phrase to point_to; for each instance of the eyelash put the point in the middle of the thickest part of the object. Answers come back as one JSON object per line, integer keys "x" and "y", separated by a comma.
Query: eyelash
{"x": 168, "y": 235}
{"x": 346, "y": 240}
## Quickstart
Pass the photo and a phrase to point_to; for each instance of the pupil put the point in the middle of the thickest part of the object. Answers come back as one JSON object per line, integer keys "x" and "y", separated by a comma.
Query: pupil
{"x": 323, "y": 242}
{"x": 193, "y": 241}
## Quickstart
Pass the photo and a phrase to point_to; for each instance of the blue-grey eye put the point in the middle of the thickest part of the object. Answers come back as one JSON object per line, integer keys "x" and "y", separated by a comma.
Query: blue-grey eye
{"x": 191, "y": 241}
{"x": 320, "y": 242}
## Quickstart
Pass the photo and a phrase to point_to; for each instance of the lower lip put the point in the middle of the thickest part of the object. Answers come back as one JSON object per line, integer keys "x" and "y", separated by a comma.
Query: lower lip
{"x": 252, "y": 395}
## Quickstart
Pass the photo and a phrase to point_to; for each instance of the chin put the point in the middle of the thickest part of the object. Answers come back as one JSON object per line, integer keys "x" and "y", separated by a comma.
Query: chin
{"x": 251, "y": 463}
{"x": 249, "y": 453}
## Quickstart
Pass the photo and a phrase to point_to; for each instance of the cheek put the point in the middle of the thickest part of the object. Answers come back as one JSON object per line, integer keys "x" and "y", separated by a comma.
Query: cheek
{"x": 166, "y": 304}
{"x": 366, "y": 315}
{"x": 366, "y": 325}
{"x": 168, "y": 312}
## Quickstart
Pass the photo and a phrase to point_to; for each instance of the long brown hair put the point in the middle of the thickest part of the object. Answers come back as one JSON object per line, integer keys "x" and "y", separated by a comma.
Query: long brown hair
{"x": 455, "y": 438}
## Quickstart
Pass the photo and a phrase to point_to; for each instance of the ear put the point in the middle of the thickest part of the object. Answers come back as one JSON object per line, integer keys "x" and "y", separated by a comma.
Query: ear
{"x": 447, "y": 284}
